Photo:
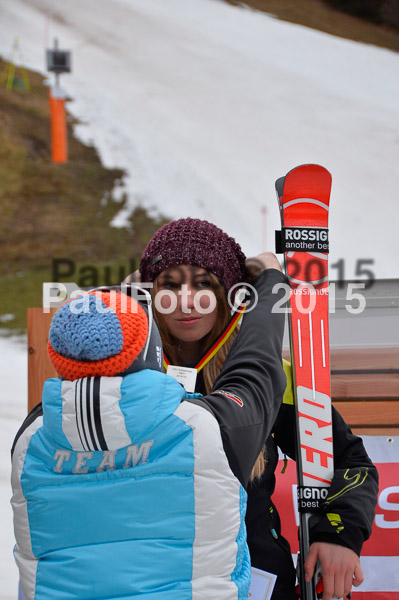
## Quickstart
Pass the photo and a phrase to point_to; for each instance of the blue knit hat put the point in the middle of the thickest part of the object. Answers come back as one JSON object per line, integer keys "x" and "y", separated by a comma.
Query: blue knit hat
{"x": 103, "y": 334}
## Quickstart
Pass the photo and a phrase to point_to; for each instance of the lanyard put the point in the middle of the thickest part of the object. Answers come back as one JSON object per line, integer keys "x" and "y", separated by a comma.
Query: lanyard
{"x": 216, "y": 345}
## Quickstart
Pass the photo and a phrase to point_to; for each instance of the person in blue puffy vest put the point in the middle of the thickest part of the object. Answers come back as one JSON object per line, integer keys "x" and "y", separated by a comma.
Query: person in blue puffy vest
{"x": 125, "y": 485}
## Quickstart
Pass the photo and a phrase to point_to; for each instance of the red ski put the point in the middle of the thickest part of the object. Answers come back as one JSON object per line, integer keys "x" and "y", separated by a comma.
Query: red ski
{"x": 304, "y": 196}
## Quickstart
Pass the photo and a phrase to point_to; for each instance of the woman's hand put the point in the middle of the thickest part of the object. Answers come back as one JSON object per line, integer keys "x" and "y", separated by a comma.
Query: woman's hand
{"x": 265, "y": 260}
{"x": 340, "y": 568}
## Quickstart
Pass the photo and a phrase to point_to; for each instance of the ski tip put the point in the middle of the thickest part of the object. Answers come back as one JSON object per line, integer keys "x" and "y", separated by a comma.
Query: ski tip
{"x": 310, "y": 167}
{"x": 306, "y": 181}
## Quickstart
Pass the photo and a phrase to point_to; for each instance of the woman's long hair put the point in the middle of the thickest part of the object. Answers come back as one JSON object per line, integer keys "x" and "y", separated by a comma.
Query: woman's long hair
{"x": 214, "y": 366}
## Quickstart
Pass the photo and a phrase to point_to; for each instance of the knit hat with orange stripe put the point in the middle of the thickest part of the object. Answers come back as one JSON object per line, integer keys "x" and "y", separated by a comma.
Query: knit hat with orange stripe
{"x": 100, "y": 334}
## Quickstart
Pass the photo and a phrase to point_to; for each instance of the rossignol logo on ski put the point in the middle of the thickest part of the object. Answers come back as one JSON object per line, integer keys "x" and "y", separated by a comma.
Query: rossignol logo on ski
{"x": 303, "y": 239}
{"x": 310, "y": 498}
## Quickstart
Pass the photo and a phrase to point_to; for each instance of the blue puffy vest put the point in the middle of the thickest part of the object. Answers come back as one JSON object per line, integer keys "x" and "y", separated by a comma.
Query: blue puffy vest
{"x": 121, "y": 490}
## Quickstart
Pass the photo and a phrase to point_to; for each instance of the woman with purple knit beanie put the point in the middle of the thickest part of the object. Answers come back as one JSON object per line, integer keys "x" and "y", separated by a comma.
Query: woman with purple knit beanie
{"x": 195, "y": 269}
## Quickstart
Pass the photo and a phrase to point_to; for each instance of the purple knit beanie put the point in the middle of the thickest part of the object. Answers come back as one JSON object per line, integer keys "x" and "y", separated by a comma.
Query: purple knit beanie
{"x": 194, "y": 242}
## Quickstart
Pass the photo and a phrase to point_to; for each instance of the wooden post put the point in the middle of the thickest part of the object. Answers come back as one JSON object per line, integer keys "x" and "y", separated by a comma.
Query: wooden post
{"x": 40, "y": 366}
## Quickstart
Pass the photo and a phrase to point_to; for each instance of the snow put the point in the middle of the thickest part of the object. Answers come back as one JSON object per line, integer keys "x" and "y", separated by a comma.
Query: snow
{"x": 13, "y": 406}
{"x": 205, "y": 105}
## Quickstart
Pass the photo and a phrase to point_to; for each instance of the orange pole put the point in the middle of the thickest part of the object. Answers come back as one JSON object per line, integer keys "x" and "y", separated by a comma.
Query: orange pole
{"x": 59, "y": 139}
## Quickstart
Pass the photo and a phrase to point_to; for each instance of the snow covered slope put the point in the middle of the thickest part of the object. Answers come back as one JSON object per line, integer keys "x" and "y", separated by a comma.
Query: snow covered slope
{"x": 205, "y": 105}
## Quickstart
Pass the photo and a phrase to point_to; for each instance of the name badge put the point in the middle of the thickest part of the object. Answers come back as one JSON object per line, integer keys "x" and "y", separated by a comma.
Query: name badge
{"x": 184, "y": 375}
{"x": 262, "y": 584}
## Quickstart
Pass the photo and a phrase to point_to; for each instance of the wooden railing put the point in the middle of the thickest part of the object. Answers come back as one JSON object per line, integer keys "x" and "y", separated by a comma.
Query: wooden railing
{"x": 365, "y": 388}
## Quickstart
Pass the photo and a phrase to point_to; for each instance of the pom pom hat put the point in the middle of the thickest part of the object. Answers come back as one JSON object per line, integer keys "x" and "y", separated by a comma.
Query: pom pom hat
{"x": 194, "y": 242}
{"x": 102, "y": 334}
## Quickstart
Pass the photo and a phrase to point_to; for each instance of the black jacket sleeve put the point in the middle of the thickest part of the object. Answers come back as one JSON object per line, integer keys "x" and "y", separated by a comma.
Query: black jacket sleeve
{"x": 348, "y": 512}
{"x": 37, "y": 411}
{"x": 247, "y": 393}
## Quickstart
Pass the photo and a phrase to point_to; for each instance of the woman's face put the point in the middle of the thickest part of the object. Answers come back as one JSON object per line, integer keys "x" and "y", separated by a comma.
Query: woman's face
{"x": 187, "y": 302}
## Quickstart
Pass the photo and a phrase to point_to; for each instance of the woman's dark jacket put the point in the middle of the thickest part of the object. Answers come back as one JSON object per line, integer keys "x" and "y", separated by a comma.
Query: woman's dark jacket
{"x": 269, "y": 550}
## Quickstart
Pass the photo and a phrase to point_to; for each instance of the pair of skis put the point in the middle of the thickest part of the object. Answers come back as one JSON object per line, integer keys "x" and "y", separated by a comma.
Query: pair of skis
{"x": 304, "y": 197}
